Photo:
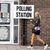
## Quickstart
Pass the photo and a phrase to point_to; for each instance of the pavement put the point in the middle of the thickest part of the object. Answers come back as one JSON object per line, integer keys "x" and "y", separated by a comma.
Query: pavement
{"x": 17, "y": 47}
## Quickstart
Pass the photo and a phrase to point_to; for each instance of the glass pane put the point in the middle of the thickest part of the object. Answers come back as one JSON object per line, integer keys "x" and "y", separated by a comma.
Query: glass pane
{"x": 4, "y": 13}
{"x": 4, "y": 33}
{"x": 15, "y": 34}
{"x": 4, "y": 7}
{"x": 15, "y": 21}
{"x": 15, "y": 2}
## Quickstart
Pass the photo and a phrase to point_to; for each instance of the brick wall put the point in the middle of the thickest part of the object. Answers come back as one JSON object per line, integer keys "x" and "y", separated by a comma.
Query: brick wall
{"x": 43, "y": 6}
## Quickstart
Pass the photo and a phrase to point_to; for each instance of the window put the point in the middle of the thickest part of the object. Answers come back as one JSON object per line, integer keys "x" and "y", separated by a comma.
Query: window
{"x": 16, "y": 30}
{"x": 8, "y": 24}
{"x": 4, "y": 33}
{"x": 4, "y": 13}
{"x": 4, "y": 22}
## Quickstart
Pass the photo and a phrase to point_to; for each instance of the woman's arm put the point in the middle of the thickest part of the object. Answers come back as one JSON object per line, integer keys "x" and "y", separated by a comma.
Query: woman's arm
{"x": 40, "y": 17}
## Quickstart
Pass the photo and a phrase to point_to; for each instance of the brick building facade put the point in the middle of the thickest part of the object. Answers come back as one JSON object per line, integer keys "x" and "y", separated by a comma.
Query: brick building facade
{"x": 43, "y": 6}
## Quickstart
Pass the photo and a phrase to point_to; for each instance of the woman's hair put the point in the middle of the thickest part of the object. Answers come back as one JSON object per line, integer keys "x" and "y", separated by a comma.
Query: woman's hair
{"x": 37, "y": 14}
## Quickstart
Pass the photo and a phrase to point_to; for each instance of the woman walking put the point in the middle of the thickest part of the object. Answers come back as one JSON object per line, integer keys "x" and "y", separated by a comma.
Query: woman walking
{"x": 36, "y": 31}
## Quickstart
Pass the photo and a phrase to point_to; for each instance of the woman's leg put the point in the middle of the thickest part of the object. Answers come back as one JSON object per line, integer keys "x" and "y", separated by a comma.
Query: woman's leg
{"x": 33, "y": 38}
{"x": 44, "y": 43}
{"x": 39, "y": 39}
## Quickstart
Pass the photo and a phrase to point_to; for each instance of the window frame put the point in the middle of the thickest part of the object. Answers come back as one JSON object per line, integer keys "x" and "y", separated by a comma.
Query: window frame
{"x": 11, "y": 25}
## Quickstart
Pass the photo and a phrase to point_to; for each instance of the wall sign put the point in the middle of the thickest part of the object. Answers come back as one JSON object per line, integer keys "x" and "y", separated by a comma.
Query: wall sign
{"x": 24, "y": 11}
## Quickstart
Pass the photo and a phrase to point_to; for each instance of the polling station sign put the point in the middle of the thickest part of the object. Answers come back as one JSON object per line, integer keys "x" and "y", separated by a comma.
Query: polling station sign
{"x": 24, "y": 11}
